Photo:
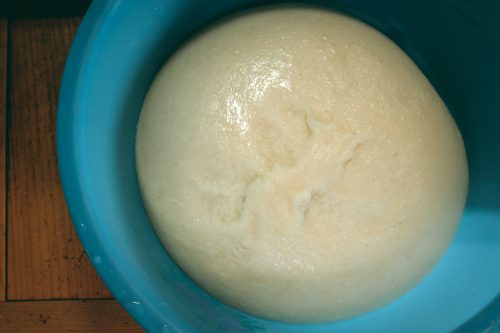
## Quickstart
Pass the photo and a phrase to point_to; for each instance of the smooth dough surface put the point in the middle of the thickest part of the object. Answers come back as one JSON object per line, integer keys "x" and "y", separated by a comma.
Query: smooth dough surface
{"x": 299, "y": 166}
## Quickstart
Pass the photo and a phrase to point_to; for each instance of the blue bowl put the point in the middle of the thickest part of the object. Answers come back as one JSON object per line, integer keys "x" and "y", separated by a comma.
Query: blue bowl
{"x": 118, "y": 49}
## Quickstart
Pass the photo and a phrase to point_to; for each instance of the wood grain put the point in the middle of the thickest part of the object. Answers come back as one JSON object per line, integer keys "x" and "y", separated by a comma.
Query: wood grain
{"x": 45, "y": 259}
{"x": 3, "y": 115}
{"x": 65, "y": 316}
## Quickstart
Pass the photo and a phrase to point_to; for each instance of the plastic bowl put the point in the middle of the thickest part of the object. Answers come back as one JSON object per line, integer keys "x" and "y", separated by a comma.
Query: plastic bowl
{"x": 118, "y": 49}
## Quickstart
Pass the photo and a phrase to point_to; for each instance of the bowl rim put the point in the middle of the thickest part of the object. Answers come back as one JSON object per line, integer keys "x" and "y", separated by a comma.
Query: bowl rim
{"x": 71, "y": 178}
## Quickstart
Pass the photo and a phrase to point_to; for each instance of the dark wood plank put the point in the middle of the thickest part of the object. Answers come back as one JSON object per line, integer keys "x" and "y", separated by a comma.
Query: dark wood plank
{"x": 3, "y": 115}
{"x": 47, "y": 8}
{"x": 45, "y": 259}
{"x": 65, "y": 316}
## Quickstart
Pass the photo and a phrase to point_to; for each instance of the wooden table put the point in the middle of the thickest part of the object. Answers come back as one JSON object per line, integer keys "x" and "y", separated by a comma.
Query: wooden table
{"x": 47, "y": 283}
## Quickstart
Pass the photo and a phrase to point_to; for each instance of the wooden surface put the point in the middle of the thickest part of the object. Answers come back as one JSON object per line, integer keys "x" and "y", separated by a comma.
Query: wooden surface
{"x": 47, "y": 283}
{"x": 104, "y": 316}
{"x": 3, "y": 145}
{"x": 43, "y": 251}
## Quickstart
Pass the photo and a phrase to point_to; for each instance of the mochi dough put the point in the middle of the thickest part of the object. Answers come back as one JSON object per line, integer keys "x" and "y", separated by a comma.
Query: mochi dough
{"x": 298, "y": 166}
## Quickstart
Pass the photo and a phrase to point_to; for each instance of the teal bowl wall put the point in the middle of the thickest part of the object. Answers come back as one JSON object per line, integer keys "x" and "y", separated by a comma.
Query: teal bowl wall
{"x": 118, "y": 49}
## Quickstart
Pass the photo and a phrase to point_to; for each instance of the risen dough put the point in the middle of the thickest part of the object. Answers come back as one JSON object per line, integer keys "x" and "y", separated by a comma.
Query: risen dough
{"x": 299, "y": 166}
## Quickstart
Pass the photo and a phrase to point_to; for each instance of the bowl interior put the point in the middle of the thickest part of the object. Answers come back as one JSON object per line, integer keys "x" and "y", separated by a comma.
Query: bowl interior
{"x": 120, "y": 46}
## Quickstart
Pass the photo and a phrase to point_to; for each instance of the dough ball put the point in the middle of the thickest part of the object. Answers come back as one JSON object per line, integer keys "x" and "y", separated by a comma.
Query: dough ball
{"x": 299, "y": 166}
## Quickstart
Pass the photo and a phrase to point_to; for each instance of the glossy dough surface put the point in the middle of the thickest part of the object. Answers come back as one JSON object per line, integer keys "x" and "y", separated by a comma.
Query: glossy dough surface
{"x": 299, "y": 166}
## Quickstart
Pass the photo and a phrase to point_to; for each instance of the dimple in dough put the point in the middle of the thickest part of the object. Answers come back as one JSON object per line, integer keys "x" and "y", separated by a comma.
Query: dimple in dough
{"x": 298, "y": 165}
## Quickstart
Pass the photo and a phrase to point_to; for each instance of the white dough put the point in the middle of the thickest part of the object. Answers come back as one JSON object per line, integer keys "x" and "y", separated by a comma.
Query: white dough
{"x": 299, "y": 166}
